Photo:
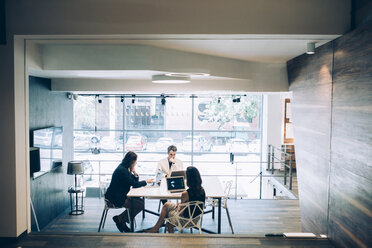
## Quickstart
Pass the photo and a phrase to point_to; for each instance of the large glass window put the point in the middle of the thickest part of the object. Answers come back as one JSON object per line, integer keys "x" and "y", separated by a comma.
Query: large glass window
{"x": 205, "y": 129}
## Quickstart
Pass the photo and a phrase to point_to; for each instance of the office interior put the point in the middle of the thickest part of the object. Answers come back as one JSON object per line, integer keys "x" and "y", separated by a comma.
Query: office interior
{"x": 287, "y": 93}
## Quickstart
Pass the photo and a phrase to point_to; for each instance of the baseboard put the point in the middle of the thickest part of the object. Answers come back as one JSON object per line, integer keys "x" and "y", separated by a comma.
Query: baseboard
{"x": 12, "y": 240}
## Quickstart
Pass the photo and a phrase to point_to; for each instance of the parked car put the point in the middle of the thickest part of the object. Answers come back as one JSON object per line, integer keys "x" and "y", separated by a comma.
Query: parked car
{"x": 200, "y": 144}
{"x": 136, "y": 143}
{"x": 82, "y": 143}
{"x": 108, "y": 144}
{"x": 237, "y": 146}
{"x": 163, "y": 143}
{"x": 43, "y": 138}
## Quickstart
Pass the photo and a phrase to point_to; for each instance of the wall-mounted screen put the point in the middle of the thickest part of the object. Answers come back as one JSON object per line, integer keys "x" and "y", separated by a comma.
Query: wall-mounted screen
{"x": 49, "y": 141}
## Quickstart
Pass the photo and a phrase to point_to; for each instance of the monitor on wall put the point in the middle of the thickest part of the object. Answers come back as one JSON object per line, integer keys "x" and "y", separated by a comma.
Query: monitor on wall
{"x": 49, "y": 142}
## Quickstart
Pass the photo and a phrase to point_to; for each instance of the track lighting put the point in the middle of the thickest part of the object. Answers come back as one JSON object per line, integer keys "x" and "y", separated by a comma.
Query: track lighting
{"x": 133, "y": 99}
{"x": 163, "y": 101}
{"x": 236, "y": 99}
{"x": 99, "y": 100}
{"x": 219, "y": 100}
{"x": 122, "y": 99}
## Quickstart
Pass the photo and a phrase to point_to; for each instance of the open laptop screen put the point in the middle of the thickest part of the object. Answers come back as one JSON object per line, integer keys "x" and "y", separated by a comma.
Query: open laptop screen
{"x": 175, "y": 183}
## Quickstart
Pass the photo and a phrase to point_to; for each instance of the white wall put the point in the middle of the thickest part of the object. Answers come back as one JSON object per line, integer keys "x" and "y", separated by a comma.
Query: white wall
{"x": 273, "y": 118}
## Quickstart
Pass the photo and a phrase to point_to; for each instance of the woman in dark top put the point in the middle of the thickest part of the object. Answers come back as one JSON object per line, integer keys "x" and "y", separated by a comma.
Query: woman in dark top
{"x": 122, "y": 179}
{"x": 195, "y": 192}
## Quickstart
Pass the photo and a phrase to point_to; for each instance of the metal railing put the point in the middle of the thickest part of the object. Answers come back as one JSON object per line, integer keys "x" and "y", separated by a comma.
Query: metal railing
{"x": 103, "y": 175}
{"x": 282, "y": 159}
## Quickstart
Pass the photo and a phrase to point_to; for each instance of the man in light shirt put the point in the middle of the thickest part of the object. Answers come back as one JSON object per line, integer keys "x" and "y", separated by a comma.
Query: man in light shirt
{"x": 170, "y": 163}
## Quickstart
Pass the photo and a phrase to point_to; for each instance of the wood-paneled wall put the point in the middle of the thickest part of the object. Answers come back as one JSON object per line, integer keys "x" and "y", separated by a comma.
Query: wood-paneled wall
{"x": 332, "y": 117}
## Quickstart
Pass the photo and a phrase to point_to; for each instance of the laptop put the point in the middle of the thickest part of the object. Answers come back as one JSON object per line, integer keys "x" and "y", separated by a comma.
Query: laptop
{"x": 180, "y": 173}
{"x": 176, "y": 184}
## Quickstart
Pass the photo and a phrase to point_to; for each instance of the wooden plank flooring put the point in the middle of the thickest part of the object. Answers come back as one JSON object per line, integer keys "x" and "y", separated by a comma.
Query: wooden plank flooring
{"x": 254, "y": 217}
{"x": 161, "y": 241}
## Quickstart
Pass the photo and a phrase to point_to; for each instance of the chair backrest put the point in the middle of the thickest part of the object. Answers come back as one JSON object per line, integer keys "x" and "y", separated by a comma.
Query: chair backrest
{"x": 191, "y": 209}
{"x": 226, "y": 192}
{"x": 195, "y": 210}
{"x": 228, "y": 188}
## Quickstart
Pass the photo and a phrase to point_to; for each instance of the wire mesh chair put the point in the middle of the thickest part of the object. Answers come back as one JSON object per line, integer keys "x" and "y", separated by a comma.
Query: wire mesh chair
{"x": 214, "y": 202}
{"x": 195, "y": 210}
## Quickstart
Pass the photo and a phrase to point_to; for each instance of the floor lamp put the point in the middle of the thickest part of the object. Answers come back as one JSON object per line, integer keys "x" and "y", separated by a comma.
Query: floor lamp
{"x": 76, "y": 168}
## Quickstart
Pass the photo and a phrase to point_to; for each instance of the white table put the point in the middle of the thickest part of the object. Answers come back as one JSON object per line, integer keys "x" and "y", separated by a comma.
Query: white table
{"x": 211, "y": 185}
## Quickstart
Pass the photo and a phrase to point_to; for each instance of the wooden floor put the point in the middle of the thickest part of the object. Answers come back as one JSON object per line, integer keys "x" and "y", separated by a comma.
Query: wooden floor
{"x": 161, "y": 241}
{"x": 253, "y": 217}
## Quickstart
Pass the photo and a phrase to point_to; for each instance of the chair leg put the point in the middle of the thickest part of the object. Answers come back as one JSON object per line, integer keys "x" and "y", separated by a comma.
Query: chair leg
{"x": 212, "y": 212}
{"x": 100, "y": 223}
{"x": 159, "y": 206}
{"x": 135, "y": 224}
{"x": 104, "y": 219}
{"x": 190, "y": 230}
{"x": 228, "y": 217}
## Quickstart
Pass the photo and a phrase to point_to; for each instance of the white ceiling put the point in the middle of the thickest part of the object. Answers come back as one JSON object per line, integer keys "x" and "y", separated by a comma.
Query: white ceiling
{"x": 257, "y": 50}
{"x": 276, "y": 49}
{"x": 106, "y": 74}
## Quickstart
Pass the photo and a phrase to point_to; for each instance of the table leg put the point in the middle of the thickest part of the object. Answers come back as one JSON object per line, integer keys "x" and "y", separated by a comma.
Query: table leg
{"x": 71, "y": 203}
{"x": 219, "y": 216}
{"x": 143, "y": 210}
{"x": 77, "y": 202}
{"x": 131, "y": 211}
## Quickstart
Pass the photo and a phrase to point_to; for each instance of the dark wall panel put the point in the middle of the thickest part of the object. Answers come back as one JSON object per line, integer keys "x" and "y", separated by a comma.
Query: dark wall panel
{"x": 332, "y": 116}
{"x": 2, "y": 23}
{"x": 47, "y": 108}
{"x": 311, "y": 84}
{"x": 350, "y": 203}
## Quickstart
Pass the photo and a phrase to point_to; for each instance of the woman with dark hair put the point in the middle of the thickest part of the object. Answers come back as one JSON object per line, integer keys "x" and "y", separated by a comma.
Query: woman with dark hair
{"x": 124, "y": 177}
{"x": 195, "y": 192}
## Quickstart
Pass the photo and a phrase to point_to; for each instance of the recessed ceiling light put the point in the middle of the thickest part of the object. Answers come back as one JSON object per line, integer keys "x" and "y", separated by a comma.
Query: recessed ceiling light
{"x": 165, "y": 79}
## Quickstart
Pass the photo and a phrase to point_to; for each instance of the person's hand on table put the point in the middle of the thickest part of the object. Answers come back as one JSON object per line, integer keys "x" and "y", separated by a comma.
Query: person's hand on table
{"x": 149, "y": 181}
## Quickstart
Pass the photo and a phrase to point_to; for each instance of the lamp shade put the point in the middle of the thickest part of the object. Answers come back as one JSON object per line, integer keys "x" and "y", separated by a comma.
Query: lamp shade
{"x": 74, "y": 168}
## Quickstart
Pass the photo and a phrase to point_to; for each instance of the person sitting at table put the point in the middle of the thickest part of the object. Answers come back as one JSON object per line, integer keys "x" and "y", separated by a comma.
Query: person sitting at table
{"x": 195, "y": 192}
{"x": 122, "y": 179}
{"x": 169, "y": 164}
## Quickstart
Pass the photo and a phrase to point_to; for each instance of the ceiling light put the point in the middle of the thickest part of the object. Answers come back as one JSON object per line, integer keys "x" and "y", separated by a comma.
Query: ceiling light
{"x": 122, "y": 99}
{"x": 164, "y": 79}
{"x": 175, "y": 74}
{"x": 133, "y": 99}
{"x": 310, "y": 48}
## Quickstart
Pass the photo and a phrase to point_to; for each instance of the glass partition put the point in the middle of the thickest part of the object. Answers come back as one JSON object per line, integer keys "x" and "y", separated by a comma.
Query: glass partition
{"x": 205, "y": 129}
